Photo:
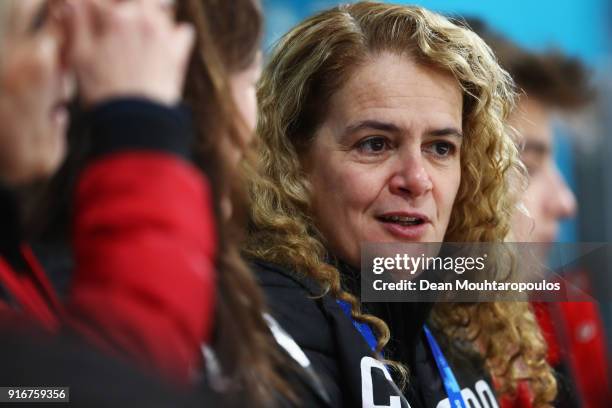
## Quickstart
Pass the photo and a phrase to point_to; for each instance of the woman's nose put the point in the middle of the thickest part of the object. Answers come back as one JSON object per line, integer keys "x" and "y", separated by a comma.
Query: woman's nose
{"x": 562, "y": 202}
{"x": 410, "y": 175}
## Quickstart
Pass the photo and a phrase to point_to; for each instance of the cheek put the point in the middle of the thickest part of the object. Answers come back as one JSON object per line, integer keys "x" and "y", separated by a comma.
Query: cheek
{"x": 537, "y": 193}
{"x": 342, "y": 196}
{"x": 522, "y": 224}
{"x": 529, "y": 198}
{"x": 17, "y": 75}
{"x": 344, "y": 188}
{"x": 31, "y": 70}
{"x": 245, "y": 98}
{"x": 446, "y": 185}
{"x": 230, "y": 152}
{"x": 528, "y": 227}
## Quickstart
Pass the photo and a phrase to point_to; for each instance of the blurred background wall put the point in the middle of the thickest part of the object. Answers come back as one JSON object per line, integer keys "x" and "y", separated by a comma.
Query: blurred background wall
{"x": 581, "y": 28}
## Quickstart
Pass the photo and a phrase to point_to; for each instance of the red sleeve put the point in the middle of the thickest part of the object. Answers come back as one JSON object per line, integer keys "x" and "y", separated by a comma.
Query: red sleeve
{"x": 144, "y": 243}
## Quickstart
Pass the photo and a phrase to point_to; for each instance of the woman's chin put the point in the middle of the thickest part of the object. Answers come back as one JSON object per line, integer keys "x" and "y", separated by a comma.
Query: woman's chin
{"x": 54, "y": 154}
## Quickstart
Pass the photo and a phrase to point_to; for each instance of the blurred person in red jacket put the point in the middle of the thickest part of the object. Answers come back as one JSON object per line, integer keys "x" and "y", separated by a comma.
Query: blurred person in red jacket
{"x": 239, "y": 355}
{"x": 143, "y": 229}
{"x": 549, "y": 83}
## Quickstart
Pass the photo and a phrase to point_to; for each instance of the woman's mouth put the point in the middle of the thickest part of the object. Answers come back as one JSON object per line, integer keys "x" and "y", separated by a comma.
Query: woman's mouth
{"x": 402, "y": 220}
{"x": 405, "y": 226}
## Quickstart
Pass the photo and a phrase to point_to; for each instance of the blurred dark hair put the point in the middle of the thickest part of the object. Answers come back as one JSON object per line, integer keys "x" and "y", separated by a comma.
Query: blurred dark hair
{"x": 237, "y": 27}
{"x": 227, "y": 41}
{"x": 552, "y": 77}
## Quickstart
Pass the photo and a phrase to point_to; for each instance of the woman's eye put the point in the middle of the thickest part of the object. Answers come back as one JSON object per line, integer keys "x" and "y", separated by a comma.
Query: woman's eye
{"x": 373, "y": 145}
{"x": 442, "y": 149}
{"x": 532, "y": 166}
{"x": 40, "y": 18}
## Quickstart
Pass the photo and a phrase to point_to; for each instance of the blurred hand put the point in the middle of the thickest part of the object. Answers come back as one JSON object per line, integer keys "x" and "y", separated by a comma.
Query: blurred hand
{"x": 128, "y": 49}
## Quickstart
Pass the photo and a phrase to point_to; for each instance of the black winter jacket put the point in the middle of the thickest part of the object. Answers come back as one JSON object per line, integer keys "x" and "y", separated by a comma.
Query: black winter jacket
{"x": 352, "y": 374}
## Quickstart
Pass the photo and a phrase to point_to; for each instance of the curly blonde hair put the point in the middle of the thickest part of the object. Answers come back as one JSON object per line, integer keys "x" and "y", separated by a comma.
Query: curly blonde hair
{"x": 312, "y": 62}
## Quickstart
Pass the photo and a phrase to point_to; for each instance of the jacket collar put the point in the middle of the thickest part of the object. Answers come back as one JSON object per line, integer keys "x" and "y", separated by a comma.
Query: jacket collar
{"x": 405, "y": 320}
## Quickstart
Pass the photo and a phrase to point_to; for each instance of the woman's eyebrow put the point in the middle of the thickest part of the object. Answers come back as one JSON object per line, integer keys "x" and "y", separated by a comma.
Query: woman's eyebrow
{"x": 449, "y": 131}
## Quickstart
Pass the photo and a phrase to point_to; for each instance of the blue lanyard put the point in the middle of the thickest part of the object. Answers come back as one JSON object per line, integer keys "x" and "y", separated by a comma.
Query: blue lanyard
{"x": 363, "y": 328}
{"x": 448, "y": 378}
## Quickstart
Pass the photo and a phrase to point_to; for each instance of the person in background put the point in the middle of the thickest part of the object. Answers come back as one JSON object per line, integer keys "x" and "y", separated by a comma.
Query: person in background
{"x": 386, "y": 123}
{"x": 142, "y": 228}
{"x": 220, "y": 92}
{"x": 551, "y": 83}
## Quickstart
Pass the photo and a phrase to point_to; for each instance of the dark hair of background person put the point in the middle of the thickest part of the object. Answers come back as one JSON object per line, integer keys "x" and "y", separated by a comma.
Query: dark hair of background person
{"x": 553, "y": 78}
{"x": 228, "y": 39}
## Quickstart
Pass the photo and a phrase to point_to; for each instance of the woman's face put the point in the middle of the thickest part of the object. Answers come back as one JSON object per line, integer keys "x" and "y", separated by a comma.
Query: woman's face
{"x": 34, "y": 88}
{"x": 385, "y": 164}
